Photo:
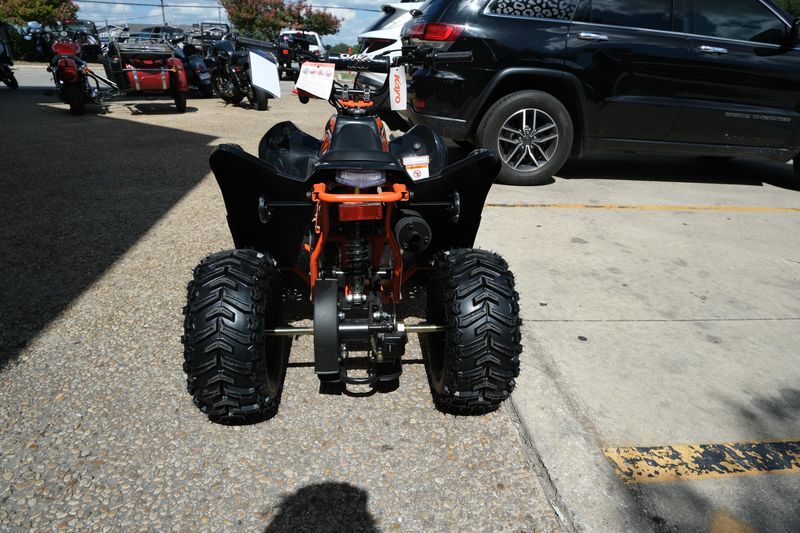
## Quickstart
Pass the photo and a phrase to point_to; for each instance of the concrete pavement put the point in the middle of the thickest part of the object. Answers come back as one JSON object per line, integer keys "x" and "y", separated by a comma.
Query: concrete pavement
{"x": 660, "y": 297}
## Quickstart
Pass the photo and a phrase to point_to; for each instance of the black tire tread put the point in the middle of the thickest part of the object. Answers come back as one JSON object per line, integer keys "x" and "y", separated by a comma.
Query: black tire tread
{"x": 481, "y": 348}
{"x": 75, "y": 98}
{"x": 225, "y": 349}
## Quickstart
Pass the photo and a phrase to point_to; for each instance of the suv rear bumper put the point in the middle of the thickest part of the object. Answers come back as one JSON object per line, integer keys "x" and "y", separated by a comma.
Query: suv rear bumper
{"x": 452, "y": 128}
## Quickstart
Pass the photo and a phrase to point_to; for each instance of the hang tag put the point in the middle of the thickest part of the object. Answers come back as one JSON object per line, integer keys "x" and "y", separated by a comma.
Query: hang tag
{"x": 264, "y": 73}
{"x": 397, "y": 88}
{"x": 417, "y": 166}
{"x": 316, "y": 79}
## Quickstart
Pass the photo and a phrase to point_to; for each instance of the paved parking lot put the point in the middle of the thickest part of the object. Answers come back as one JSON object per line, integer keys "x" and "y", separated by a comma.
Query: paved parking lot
{"x": 660, "y": 297}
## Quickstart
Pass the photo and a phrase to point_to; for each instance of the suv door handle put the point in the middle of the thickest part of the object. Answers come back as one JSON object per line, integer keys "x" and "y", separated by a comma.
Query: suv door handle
{"x": 714, "y": 50}
{"x": 596, "y": 37}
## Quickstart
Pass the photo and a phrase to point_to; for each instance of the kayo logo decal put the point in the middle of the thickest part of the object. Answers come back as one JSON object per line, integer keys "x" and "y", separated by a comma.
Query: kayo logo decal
{"x": 397, "y": 81}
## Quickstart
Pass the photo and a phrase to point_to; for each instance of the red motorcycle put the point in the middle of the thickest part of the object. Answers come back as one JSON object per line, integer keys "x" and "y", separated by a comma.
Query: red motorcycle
{"x": 143, "y": 65}
{"x": 139, "y": 66}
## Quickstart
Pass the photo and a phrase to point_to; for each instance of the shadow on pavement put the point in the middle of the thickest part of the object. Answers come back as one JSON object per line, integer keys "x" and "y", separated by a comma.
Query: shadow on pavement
{"x": 77, "y": 193}
{"x": 322, "y": 507}
{"x": 765, "y": 501}
{"x": 678, "y": 169}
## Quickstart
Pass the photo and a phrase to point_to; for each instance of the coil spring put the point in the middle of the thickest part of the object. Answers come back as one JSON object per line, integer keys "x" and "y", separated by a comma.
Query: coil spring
{"x": 356, "y": 252}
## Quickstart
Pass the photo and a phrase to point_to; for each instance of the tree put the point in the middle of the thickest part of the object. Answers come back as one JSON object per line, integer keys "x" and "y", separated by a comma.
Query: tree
{"x": 791, "y": 6}
{"x": 265, "y": 18}
{"x": 22, "y": 11}
{"x": 321, "y": 22}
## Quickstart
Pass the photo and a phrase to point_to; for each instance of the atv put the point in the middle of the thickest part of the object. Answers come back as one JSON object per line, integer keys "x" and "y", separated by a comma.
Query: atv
{"x": 355, "y": 219}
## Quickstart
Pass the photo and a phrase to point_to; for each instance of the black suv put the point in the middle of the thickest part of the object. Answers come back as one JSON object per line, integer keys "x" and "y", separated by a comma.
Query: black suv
{"x": 554, "y": 78}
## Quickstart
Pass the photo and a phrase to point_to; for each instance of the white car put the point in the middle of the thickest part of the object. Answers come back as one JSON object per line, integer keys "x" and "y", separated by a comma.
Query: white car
{"x": 383, "y": 37}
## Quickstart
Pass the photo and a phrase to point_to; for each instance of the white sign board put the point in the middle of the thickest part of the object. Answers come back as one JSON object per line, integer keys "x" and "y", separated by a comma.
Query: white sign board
{"x": 397, "y": 88}
{"x": 264, "y": 74}
{"x": 316, "y": 79}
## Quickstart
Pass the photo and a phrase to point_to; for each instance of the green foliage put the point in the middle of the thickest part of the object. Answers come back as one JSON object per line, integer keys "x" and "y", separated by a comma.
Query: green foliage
{"x": 791, "y": 6}
{"x": 264, "y": 19}
{"x": 21, "y": 11}
{"x": 341, "y": 48}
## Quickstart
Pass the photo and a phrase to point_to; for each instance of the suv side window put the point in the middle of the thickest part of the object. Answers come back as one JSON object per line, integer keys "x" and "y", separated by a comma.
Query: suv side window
{"x": 743, "y": 20}
{"x": 648, "y": 14}
{"x": 549, "y": 9}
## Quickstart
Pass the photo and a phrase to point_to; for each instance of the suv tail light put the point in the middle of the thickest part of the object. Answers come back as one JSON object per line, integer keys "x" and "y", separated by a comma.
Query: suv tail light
{"x": 435, "y": 31}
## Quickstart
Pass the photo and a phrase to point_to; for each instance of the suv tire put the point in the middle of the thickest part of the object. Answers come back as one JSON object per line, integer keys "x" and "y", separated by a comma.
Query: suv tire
{"x": 528, "y": 150}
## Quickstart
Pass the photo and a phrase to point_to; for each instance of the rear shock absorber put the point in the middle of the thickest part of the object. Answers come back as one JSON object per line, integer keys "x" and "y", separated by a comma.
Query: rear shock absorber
{"x": 356, "y": 251}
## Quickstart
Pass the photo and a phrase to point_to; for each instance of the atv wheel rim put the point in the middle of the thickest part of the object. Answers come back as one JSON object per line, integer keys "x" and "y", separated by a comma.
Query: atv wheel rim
{"x": 527, "y": 139}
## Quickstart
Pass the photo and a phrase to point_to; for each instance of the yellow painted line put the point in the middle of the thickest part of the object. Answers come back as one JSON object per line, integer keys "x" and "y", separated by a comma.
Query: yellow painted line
{"x": 725, "y": 523}
{"x": 646, "y": 207}
{"x": 699, "y": 461}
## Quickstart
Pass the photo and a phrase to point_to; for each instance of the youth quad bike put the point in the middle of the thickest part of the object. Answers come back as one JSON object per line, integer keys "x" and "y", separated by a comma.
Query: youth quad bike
{"x": 347, "y": 215}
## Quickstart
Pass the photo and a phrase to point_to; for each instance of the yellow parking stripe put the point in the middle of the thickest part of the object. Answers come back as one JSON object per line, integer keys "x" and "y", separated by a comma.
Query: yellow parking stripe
{"x": 699, "y": 461}
{"x": 645, "y": 207}
{"x": 725, "y": 523}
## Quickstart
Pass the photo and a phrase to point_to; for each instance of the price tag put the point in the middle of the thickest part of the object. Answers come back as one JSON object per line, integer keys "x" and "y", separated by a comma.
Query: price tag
{"x": 397, "y": 88}
{"x": 316, "y": 79}
{"x": 264, "y": 73}
{"x": 417, "y": 166}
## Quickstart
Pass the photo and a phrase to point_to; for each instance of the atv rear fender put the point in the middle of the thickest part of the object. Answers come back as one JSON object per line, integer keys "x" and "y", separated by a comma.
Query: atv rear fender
{"x": 269, "y": 209}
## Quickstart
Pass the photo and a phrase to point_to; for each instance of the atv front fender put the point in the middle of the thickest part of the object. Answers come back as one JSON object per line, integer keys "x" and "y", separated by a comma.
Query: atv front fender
{"x": 468, "y": 180}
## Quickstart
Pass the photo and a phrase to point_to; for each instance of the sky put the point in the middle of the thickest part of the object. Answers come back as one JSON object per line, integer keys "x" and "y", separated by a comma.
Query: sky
{"x": 189, "y": 11}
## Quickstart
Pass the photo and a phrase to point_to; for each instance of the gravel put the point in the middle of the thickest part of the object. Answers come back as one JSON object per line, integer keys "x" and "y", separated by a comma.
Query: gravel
{"x": 102, "y": 218}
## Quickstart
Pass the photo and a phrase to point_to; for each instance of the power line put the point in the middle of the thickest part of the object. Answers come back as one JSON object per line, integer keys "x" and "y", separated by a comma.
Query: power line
{"x": 206, "y": 6}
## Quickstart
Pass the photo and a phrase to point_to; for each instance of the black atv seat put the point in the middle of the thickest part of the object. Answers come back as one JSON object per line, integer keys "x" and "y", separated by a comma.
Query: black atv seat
{"x": 347, "y": 156}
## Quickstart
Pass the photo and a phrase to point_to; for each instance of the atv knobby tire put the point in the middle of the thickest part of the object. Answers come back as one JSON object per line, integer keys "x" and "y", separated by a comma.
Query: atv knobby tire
{"x": 235, "y": 373}
{"x": 472, "y": 365}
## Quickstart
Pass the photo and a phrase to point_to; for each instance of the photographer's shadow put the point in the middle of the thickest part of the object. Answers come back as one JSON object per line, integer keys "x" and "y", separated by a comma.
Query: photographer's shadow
{"x": 322, "y": 507}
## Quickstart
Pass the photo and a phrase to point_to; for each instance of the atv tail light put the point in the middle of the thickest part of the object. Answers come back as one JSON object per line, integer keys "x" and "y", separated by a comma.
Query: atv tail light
{"x": 360, "y": 179}
{"x": 435, "y": 31}
{"x": 285, "y": 52}
{"x": 363, "y": 211}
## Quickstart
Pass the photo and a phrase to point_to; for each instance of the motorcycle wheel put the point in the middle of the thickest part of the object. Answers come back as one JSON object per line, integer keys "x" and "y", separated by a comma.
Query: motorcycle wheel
{"x": 75, "y": 98}
{"x": 226, "y": 90}
{"x": 261, "y": 99}
{"x": 11, "y": 82}
{"x": 180, "y": 101}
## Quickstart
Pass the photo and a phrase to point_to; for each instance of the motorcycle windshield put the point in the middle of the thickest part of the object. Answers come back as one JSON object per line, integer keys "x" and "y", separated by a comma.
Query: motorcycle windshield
{"x": 66, "y": 48}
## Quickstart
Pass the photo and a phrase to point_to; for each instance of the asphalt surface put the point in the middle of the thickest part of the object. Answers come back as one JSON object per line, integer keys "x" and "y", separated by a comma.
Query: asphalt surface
{"x": 102, "y": 219}
{"x": 660, "y": 299}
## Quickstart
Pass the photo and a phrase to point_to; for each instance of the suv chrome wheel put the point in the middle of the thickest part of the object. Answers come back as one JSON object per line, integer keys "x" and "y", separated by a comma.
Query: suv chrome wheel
{"x": 532, "y": 132}
{"x": 528, "y": 139}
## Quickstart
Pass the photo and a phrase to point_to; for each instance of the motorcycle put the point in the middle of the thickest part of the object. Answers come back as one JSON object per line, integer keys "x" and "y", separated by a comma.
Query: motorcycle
{"x": 197, "y": 72}
{"x": 6, "y": 74}
{"x": 71, "y": 74}
{"x": 356, "y": 217}
{"x": 230, "y": 76}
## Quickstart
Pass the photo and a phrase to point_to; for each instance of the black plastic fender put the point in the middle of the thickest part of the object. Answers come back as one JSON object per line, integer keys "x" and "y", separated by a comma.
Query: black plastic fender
{"x": 244, "y": 180}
